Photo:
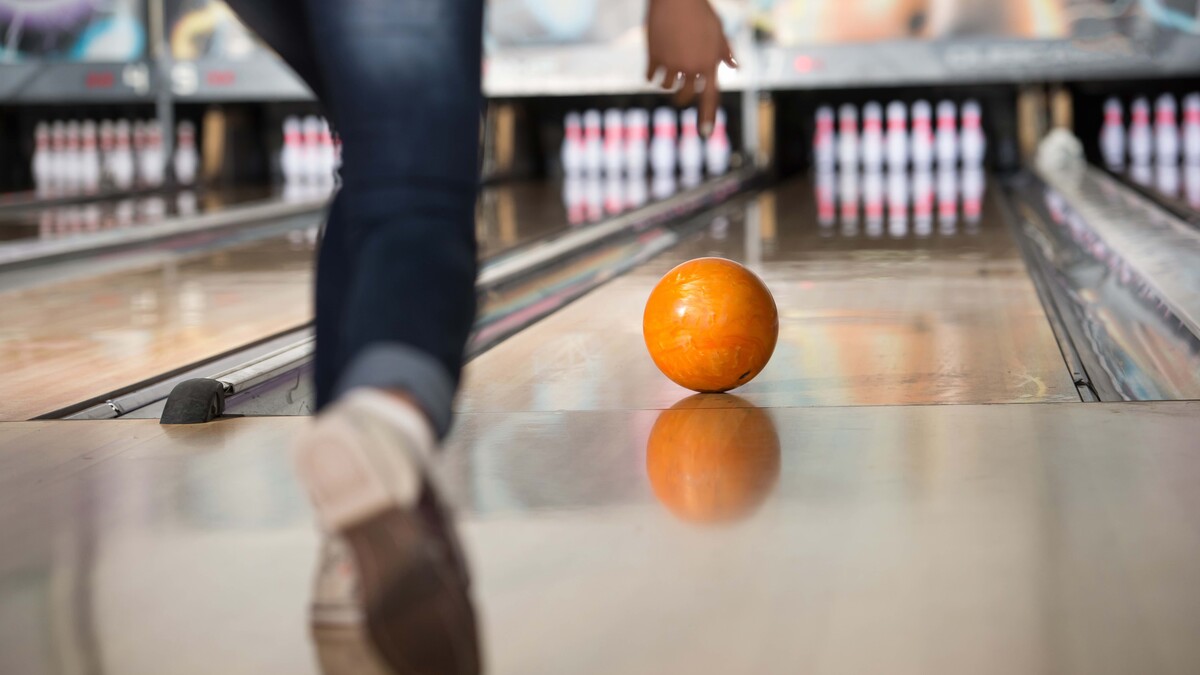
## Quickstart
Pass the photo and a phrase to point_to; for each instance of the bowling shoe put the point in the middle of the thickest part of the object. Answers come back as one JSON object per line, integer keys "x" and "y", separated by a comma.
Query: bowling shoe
{"x": 365, "y": 465}
{"x": 337, "y": 594}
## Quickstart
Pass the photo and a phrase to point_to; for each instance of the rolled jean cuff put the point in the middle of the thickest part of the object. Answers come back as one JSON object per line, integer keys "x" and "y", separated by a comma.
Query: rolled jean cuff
{"x": 398, "y": 366}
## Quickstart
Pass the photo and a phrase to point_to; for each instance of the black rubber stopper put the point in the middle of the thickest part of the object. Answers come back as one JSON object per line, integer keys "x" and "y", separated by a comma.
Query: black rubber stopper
{"x": 194, "y": 402}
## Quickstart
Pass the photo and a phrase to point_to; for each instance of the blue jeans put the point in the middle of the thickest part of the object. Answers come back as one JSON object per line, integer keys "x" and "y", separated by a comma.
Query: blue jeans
{"x": 400, "y": 82}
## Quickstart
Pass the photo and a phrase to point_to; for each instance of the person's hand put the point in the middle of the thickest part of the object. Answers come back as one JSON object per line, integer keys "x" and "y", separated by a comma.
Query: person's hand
{"x": 685, "y": 41}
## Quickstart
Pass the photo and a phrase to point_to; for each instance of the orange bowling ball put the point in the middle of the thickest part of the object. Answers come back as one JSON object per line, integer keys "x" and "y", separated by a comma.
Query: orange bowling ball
{"x": 713, "y": 459}
{"x": 710, "y": 325}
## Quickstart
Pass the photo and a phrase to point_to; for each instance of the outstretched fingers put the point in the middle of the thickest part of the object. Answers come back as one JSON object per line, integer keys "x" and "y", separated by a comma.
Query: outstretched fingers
{"x": 710, "y": 99}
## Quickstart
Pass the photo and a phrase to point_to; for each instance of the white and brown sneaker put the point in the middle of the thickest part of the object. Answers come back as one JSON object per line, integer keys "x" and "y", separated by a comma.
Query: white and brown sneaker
{"x": 337, "y": 595}
{"x": 394, "y": 562}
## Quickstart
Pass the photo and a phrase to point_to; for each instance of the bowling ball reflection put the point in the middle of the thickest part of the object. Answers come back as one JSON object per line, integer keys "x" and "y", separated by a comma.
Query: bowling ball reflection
{"x": 713, "y": 458}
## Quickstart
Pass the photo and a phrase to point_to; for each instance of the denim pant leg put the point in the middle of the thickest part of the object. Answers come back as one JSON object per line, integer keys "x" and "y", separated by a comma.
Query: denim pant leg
{"x": 285, "y": 27}
{"x": 402, "y": 79}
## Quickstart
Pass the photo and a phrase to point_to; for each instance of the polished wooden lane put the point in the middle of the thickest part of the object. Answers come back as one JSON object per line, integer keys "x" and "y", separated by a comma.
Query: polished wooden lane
{"x": 62, "y": 342}
{"x": 515, "y": 214}
{"x": 951, "y": 317}
{"x": 70, "y": 340}
{"x": 1057, "y": 538}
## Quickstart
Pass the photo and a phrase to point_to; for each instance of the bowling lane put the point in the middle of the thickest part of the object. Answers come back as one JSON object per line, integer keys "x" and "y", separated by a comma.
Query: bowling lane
{"x": 82, "y": 328}
{"x": 80, "y": 219}
{"x": 72, "y": 338}
{"x": 1057, "y": 538}
{"x": 919, "y": 301}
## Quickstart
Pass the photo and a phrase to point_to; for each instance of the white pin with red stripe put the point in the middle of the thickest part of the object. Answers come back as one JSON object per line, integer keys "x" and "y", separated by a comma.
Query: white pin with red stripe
{"x": 847, "y": 137}
{"x": 1112, "y": 135}
{"x": 1166, "y": 130}
{"x": 637, "y": 141}
{"x": 872, "y": 136}
{"x": 897, "y": 135}
{"x": 662, "y": 146}
{"x": 971, "y": 139}
{"x": 614, "y": 142}
{"x": 824, "y": 138}
{"x": 922, "y": 135}
{"x": 1191, "y": 129}
{"x": 1141, "y": 142}
{"x": 947, "y": 133}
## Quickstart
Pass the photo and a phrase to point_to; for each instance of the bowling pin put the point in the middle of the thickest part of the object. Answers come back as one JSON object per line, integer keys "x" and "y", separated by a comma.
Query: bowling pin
{"x": 291, "y": 160}
{"x": 593, "y": 195}
{"x": 691, "y": 149}
{"x": 872, "y": 192}
{"x": 716, "y": 147}
{"x": 897, "y": 189}
{"x": 139, "y": 152}
{"x": 614, "y": 197}
{"x": 824, "y": 139}
{"x": 922, "y": 199}
{"x": 872, "y": 136}
{"x": 897, "y": 135}
{"x": 614, "y": 142}
{"x": 1112, "y": 135}
{"x": 337, "y": 154}
{"x": 1191, "y": 129}
{"x": 662, "y": 147}
{"x": 1141, "y": 174}
{"x": 663, "y": 185}
{"x": 1191, "y": 184}
{"x": 637, "y": 141}
{"x": 571, "y": 154}
{"x": 1141, "y": 143}
{"x": 636, "y": 193}
{"x": 593, "y": 143}
{"x": 155, "y": 162}
{"x": 326, "y": 155}
{"x": 1166, "y": 179}
{"x": 922, "y": 135}
{"x": 947, "y": 133}
{"x": 108, "y": 148}
{"x": 89, "y": 157}
{"x": 848, "y": 137}
{"x": 826, "y": 186}
{"x": 947, "y": 199}
{"x": 1166, "y": 131}
{"x": 311, "y": 150}
{"x": 124, "y": 171}
{"x": 973, "y": 142}
{"x": 74, "y": 162}
{"x": 186, "y": 158}
{"x": 58, "y": 156}
{"x": 848, "y": 186}
{"x": 186, "y": 203}
{"x": 42, "y": 164}
{"x": 573, "y": 199}
{"x": 972, "y": 194}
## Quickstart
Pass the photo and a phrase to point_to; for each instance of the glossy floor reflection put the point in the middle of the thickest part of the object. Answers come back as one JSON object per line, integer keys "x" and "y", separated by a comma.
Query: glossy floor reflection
{"x": 69, "y": 340}
{"x": 1056, "y": 538}
{"x": 101, "y": 215}
{"x": 713, "y": 458}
